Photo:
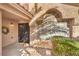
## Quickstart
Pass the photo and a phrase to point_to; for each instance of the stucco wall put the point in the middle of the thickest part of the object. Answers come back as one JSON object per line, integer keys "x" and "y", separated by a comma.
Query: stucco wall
{"x": 12, "y": 36}
{"x": 75, "y": 31}
{"x": 76, "y": 27}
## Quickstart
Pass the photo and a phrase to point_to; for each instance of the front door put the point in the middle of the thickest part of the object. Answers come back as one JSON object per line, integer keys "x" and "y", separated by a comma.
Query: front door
{"x": 23, "y": 32}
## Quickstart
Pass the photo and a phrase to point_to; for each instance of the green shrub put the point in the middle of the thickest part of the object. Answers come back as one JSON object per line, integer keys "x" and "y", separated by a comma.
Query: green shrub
{"x": 63, "y": 46}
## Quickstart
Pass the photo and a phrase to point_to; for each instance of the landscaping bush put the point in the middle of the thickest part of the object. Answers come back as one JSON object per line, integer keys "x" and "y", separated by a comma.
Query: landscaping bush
{"x": 63, "y": 46}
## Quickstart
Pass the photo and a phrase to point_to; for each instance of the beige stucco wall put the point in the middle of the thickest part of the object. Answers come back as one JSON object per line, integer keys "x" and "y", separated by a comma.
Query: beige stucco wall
{"x": 31, "y": 6}
{"x": 13, "y": 32}
{"x": 76, "y": 27}
{"x": 0, "y": 33}
{"x": 77, "y": 20}
{"x": 75, "y": 31}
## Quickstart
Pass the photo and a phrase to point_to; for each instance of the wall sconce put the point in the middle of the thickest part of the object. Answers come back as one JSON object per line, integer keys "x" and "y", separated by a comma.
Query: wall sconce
{"x": 11, "y": 24}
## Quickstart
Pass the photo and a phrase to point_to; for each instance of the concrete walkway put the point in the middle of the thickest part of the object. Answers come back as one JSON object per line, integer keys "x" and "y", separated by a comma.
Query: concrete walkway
{"x": 18, "y": 49}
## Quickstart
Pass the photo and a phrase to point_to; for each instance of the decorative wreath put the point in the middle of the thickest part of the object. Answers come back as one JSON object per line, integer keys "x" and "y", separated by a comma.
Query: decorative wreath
{"x": 5, "y": 30}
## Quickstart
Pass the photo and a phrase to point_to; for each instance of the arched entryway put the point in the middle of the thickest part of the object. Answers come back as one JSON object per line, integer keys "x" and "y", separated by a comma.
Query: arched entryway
{"x": 54, "y": 12}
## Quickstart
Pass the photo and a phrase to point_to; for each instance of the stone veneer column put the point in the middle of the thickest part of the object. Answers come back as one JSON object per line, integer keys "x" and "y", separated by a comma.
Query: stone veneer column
{"x": 0, "y": 33}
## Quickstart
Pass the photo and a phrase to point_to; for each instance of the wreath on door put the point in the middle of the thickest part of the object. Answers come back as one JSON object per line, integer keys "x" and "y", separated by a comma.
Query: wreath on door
{"x": 5, "y": 30}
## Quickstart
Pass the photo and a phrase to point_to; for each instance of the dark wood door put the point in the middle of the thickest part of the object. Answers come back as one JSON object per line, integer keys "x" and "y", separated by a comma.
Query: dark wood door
{"x": 24, "y": 32}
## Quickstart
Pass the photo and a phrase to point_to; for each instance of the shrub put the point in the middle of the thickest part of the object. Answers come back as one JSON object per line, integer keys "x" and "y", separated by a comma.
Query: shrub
{"x": 63, "y": 46}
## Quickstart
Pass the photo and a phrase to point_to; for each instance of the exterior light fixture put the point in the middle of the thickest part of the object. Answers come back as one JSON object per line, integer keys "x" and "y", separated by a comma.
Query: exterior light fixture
{"x": 11, "y": 24}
